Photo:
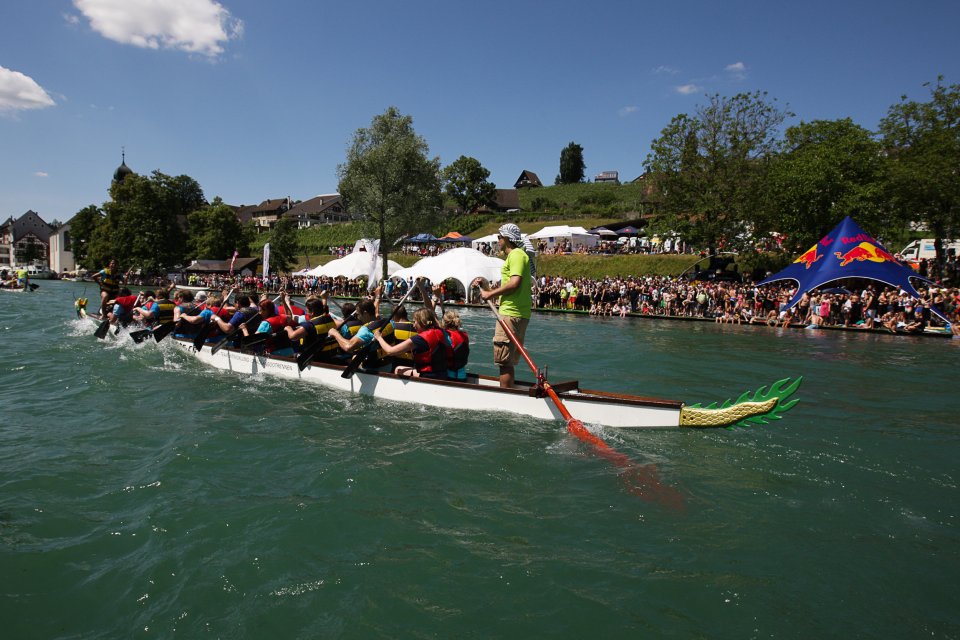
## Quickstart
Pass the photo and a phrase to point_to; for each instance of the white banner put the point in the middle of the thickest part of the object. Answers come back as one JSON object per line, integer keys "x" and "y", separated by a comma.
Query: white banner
{"x": 266, "y": 260}
{"x": 373, "y": 276}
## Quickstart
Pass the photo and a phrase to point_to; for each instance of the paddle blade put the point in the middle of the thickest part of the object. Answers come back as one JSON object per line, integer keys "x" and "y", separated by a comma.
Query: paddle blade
{"x": 199, "y": 340}
{"x": 140, "y": 336}
{"x": 163, "y": 331}
{"x": 34, "y": 287}
{"x": 356, "y": 361}
{"x": 101, "y": 331}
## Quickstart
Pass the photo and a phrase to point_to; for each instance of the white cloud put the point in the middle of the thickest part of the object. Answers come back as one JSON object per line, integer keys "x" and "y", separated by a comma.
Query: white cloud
{"x": 664, "y": 69}
{"x": 687, "y": 89}
{"x": 41, "y": 174}
{"x": 625, "y": 111}
{"x": 737, "y": 70}
{"x": 19, "y": 92}
{"x": 194, "y": 26}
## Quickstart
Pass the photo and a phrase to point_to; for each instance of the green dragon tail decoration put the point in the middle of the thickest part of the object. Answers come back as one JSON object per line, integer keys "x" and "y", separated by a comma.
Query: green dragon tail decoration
{"x": 760, "y": 407}
{"x": 81, "y": 306}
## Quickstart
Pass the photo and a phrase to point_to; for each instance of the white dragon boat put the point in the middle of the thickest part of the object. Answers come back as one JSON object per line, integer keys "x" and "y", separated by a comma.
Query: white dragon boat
{"x": 483, "y": 393}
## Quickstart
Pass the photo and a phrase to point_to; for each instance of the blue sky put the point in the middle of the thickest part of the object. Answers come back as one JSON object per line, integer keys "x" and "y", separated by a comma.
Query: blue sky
{"x": 260, "y": 100}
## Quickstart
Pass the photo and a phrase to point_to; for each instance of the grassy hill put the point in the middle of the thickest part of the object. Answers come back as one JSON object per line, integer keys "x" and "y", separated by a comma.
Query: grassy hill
{"x": 587, "y": 205}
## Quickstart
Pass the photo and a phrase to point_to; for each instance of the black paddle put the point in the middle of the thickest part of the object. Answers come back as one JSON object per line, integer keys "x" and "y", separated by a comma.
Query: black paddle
{"x": 365, "y": 349}
{"x": 34, "y": 287}
{"x": 101, "y": 331}
{"x": 161, "y": 332}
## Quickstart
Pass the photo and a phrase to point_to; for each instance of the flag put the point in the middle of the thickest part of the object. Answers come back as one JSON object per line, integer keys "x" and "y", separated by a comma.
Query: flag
{"x": 266, "y": 260}
{"x": 373, "y": 249}
{"x": 234, "y": 259}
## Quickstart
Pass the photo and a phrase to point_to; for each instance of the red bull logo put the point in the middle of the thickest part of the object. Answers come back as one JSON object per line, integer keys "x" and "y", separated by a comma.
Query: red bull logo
{"x": 809, "y": 257}
{"x": 864, "y": 251}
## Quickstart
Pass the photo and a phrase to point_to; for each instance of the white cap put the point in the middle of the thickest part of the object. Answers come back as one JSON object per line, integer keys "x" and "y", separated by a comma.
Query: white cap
{"x": 511, "y": 232}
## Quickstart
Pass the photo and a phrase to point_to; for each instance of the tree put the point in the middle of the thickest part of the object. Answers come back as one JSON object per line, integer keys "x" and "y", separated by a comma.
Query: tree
{"x": 571, "y": 164}
{"x": 82, "y": 226}
{"x": 828, "y": 169}
{"x": 283, "y": 245}
{"x": 142, "y": 227}
{"x": 922, "y": 141}
{"x": 465, "y": 180}
{"x": 389, "y": 181}
{"x": 214, "y": 232}
{"x": 709, "y": 167}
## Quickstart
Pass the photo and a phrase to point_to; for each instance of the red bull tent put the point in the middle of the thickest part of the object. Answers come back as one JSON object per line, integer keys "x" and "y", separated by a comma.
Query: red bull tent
{"x": 845, "y": 252}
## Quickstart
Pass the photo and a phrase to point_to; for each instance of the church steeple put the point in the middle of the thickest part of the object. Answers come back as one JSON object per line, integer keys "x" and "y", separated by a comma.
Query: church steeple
{"x": 123, "y": 170}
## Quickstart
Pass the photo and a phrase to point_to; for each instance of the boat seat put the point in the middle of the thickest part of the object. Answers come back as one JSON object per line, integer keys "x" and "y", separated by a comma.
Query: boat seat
{"x": 559, "y": 387}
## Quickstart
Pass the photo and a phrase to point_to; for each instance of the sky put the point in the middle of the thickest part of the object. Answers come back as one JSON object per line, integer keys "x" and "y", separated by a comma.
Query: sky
{"x": 258, "y": 100}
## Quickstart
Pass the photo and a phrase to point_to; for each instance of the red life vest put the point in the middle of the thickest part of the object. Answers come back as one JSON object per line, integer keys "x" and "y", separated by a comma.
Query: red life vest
{"x": 280, "y": 340}
{"x": 434, "y": 359}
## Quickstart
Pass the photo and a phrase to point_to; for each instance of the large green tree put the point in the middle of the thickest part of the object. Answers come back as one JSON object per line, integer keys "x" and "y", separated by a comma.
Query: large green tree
{"x": 283, "y": 245}
{"x": 826, "y": 170}
{"x": 142, "y": 228}
{"x": 82, "y": 226}
{"x": 214, "y": 232}
{"x": 465, "y": 181}
{"x": 572, "y": 167}
{"x": 922, "y": 141}
{"x": 389, "y": 180}
{"x": 709, "y": 167}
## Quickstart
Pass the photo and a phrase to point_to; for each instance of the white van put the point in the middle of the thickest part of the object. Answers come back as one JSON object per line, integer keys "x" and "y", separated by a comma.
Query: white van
{"x": 924, "y": 249}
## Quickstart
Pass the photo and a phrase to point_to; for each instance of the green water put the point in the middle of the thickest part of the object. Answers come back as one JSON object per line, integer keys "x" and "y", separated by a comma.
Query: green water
{"x": 143, "y": 494}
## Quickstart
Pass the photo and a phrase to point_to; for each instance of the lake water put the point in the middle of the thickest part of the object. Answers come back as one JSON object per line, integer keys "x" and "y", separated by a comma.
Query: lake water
{"x": 143, "y": 494}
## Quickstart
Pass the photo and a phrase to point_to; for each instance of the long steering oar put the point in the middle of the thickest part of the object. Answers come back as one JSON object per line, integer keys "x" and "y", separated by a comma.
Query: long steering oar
{"x": 643, "y": 481}
{"x": 365, "y": 349}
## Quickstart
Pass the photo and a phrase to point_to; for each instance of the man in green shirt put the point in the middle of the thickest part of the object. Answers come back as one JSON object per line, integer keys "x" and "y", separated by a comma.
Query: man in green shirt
{"x": 515, "y": 301}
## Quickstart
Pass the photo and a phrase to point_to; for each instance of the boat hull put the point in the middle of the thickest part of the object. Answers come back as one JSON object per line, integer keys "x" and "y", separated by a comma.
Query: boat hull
{"x": 481, "y": 393}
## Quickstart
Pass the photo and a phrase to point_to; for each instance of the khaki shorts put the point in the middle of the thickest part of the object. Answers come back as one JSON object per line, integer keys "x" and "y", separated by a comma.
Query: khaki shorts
{"x": 505, "y": 353}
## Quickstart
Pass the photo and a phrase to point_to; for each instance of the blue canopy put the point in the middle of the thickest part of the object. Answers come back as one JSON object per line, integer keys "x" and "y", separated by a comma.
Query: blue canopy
{"x": 845, "y": 252}
{"x": 422, "y": 237}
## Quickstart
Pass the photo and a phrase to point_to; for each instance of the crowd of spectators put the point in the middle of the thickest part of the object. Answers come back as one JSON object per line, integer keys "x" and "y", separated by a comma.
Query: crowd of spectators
{"x": 861, "y": 304}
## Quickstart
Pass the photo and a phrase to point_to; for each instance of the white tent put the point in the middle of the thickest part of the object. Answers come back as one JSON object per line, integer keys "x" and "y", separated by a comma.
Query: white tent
{"x": 490, "y": 239}
{"x": 461, "y": 264}
{"x": 355, "y": 265}
{"x": 576, "y": 236}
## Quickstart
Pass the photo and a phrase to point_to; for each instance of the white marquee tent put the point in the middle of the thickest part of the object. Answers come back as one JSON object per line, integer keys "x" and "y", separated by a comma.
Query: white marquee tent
{"x": 357, "y": 264}
{"x": 576, "y": 235}
{"x": 461, "y": 264}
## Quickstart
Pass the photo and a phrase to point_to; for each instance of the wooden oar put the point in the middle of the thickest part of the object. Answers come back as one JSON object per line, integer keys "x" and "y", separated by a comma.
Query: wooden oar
{"x": 643, "y": 481}
{"x": 365, "y": 349}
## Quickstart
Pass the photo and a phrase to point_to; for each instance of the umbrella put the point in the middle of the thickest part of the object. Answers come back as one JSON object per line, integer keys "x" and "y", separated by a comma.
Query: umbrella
{"x": 458, "y": 240}
{"x": 628, "y": 231}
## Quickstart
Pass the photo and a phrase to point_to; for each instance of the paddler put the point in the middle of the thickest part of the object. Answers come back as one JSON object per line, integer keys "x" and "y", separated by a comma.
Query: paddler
{"x": 355, "y": 332}
{"x": 122, "y": 307}
{"x": 313, "y": 326}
